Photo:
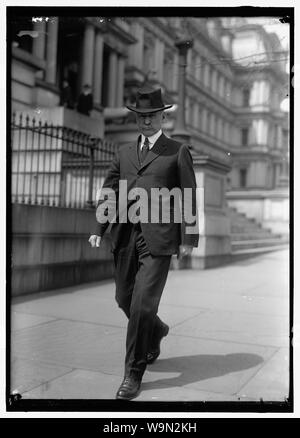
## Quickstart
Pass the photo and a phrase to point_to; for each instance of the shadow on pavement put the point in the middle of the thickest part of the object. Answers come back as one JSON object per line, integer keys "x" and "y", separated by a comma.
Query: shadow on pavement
{"x": 193, "y": 369}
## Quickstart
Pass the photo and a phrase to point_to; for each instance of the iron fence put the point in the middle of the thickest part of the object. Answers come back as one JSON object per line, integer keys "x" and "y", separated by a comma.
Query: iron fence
{"x": 56, "y": 165}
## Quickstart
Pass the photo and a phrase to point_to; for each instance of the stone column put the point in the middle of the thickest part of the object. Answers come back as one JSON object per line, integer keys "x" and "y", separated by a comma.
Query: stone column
{"x": 214, "y": 224}
{"x": 112, "y": 78}
{"x": 175, "y": 72}
{"x": 180, "y": 132}
{"x": 136, "y": 50}
{"x": 39, "y": 43}
{"x": 52, "y": 29}
{"x": 158, "y": 59}
{"x": 120, "y": 82}
{"x": 140, "y": 47}
{"x": 98, "y": 66}
{"x": 88, "y": 55}
{"x": 196, "y": 110}
{"x": 162, "y": 54}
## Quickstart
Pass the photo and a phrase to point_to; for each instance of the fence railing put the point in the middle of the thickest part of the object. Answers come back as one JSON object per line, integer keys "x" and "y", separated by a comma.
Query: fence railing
{"x": 55, "y": 165}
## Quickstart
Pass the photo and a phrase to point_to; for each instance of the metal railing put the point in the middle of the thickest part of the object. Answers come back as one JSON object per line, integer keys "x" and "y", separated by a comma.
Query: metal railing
{"x": 54, "y": 165}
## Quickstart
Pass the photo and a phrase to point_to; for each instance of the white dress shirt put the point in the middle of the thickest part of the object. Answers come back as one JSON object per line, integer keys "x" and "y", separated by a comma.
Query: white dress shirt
{"x": 151, "y": 139}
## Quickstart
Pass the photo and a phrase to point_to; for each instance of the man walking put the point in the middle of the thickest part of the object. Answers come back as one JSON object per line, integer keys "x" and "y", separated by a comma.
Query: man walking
{"x": 143, "y": 250}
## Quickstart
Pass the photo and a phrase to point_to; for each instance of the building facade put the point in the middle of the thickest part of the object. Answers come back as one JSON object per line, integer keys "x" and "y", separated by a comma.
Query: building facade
{"x": 235, "y": 81}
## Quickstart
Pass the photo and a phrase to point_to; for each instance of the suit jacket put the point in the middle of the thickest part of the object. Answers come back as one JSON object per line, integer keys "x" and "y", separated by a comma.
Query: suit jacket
{"x": 168, "y": 164}
{"x": 85, "y": 103}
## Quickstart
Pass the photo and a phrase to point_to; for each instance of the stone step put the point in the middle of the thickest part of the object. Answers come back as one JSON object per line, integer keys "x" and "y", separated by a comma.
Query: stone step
{"x": 260, "y": 243}
{"x": 245, "y": 222}
{"x": 247, "y": 229}
{"x": 238, "y": 214}
{"x": 248, "y": 234}
{"x": 243, "y": 254}
{"x": 253, "y": 236}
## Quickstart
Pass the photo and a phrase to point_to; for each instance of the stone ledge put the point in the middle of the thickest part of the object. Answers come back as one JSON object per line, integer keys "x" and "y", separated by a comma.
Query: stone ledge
{"x": 46, "y": 277}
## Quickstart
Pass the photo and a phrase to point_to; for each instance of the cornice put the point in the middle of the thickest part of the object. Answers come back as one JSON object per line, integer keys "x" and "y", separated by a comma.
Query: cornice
{"x": 121, "y": 33}
{"x": 211, "y": 163}
{"x": 109, "y": 26}
{"x": 266, "y": 70}
{"x": 211, "y": 97}
{"x": 28, "y": 58}
{"x": 153, "y": 25}
{"x": 215, "y": 46}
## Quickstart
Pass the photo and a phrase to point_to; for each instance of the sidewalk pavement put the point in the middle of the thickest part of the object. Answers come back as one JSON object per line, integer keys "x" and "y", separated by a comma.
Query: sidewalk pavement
{"x": 228, "y": 339}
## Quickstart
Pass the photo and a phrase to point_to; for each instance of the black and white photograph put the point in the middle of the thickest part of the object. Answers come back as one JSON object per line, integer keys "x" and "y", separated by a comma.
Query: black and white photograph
{"x": 148, "y": 209}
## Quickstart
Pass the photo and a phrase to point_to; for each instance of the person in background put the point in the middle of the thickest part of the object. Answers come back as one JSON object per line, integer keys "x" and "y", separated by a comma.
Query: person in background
{"x": 85, "y": 100}
{"x": 66, "y": 98}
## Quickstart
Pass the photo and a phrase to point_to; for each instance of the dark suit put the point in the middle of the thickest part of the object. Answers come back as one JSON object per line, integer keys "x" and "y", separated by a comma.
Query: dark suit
{"x": 85, "y": 103}
{"x": 143, "y": 252}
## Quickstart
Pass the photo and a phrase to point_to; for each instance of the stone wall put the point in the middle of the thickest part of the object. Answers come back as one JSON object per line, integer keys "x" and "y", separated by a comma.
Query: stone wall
{"x": 50, "y": 249}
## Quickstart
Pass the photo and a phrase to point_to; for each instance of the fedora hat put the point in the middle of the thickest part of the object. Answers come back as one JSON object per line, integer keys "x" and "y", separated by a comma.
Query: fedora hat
{"x": 148, "y": 101}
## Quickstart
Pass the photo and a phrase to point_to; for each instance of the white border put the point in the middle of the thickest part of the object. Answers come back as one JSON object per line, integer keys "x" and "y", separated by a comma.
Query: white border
{"x": 108, "y": 415}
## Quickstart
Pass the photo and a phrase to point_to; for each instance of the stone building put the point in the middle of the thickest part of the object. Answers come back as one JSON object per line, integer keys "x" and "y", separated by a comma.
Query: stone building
{"x": 232, "y": 107}
{"x": 238, "y": 134}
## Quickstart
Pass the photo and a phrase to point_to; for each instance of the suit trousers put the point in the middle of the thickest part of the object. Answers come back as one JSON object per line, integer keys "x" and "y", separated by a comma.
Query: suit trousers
{"x": 140, "y": 279}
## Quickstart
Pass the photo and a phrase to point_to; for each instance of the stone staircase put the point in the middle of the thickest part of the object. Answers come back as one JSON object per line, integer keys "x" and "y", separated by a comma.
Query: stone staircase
{"x": 249, "y": 237}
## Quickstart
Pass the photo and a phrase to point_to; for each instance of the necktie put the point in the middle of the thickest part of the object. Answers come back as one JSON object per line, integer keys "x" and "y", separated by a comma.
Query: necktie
{"x": 145, "y": 149}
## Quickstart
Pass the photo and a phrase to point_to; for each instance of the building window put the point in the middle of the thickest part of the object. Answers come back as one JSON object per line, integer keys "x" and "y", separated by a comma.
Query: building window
{"x": 245, "y": 136}
{"x": 204, "y": 120}
{"x": 243, "y": 177}
{"x": 187, "y": 109}
{"x": 221, "y": 130}
{"x": 228, "y": 91}
{"x": 207, "y": 75}
{"x": 199, "y": 118}
{"x": 105, "y": 77}
{"x": 226, "y": 132}
{"x": 198, "y": 67}
{"x": 246, "y": 97}
{"x": 214, "y": 81}
{"x": 212, "y": 28}
{"x": 208, "y": 116}
{"x": 213, "y": 125}
{"x": 70, "y": 37}
{"x": 221, "y": 87}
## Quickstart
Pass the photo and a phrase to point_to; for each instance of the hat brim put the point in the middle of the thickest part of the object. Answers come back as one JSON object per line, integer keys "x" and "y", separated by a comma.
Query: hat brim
{"x": 147, "y": 110}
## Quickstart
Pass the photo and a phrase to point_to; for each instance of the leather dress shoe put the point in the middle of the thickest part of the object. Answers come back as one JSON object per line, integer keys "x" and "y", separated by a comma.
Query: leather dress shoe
{"x": 154, "y": 352}
{"x": 129, "y": 389}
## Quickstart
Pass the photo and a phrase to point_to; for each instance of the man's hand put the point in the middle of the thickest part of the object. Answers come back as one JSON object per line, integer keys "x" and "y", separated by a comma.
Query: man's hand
{"x": 185, "y": 250}
{"x": 95, "y": 241}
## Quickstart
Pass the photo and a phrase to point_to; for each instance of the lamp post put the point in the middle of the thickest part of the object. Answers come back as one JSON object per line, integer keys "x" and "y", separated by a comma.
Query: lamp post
{"x": 180, "y": 132}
